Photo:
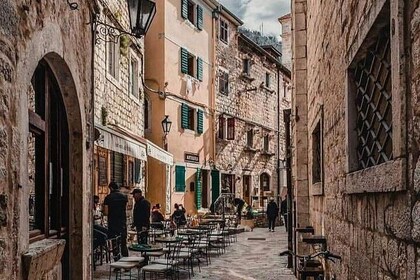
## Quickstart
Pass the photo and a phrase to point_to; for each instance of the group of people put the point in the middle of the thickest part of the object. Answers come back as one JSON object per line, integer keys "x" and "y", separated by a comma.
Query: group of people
{"x": 114, "y": 207}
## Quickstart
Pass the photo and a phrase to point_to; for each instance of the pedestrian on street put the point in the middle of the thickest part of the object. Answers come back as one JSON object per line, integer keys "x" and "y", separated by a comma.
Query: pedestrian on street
{"x": 157, "y": 217}
{"x": 239, "y": 203}
{"x": 272, "y": 212}
{"x": 283, "y": 211}
{"x": 178, "y": 217}
{"x": 141, "y": 216}
{"x": 114, "y": 207}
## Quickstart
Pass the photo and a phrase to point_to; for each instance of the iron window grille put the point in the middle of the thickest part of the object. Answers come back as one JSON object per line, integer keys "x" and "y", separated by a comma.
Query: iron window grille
{"x": 372, "y": 80}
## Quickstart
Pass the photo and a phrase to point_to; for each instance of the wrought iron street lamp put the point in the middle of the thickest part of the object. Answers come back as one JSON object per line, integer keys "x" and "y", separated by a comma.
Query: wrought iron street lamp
{"x": 166, "y": 127}
{"x": 141, "y": 14}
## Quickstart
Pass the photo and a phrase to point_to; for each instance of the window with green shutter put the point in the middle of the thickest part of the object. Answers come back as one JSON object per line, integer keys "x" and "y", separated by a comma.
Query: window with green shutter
{"x": 180, "y": 178}
{"x": 199, "y": 17}
{"x": 200, "y": 117}
{"x": 184, "y": 61}
{"x": 199, "y": 69}
{"x": 198, "y": 188}
{"x": 184, "y": 116}
{"x": 184, "y": 8}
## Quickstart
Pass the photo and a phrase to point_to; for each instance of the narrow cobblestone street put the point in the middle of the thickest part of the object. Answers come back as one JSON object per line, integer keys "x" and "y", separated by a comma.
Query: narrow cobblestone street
{"x": 245, "y": 259}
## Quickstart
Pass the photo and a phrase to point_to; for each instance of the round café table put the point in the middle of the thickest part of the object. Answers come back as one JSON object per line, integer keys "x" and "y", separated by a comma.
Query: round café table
{"x": 145, "y": 248}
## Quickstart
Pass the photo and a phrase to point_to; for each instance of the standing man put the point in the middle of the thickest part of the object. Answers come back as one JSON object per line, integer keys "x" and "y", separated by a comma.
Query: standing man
{"x": 141, "y": 216}
{"x": 272, "y": 211}
{"x": 114, "y": 207}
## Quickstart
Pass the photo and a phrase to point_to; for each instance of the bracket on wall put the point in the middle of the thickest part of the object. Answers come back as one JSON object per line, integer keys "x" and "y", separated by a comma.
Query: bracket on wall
{"x": 107, "y": 33}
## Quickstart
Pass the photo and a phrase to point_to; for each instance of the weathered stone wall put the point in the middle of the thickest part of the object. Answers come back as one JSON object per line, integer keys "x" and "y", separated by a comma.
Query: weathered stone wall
{"x": 29, "y": 32}
{"x": 253, "y": 106}
{"x": 376, "y": 233}
{"x": 286, "y": 40}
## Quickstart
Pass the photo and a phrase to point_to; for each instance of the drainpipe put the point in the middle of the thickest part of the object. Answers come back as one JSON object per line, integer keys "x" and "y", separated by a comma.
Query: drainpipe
{"x": 286, "y": 116}
{"x": 278, "y": 137}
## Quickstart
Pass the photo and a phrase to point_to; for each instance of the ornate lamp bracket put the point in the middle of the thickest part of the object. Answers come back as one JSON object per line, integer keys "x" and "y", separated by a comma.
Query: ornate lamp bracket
{"x": 107, "y": 33}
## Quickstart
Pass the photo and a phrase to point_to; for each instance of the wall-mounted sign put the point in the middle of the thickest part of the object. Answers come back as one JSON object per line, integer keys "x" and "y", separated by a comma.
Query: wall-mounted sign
{"x": 191, "y": 157}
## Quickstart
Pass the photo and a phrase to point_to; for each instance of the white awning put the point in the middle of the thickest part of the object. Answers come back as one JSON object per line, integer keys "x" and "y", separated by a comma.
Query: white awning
{"x": 115, "y": 141}
{"x": 158, "y": 153}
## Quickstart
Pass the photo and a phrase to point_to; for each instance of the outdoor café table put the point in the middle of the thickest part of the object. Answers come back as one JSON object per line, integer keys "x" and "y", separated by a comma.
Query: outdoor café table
{"x": 145, "y": 248}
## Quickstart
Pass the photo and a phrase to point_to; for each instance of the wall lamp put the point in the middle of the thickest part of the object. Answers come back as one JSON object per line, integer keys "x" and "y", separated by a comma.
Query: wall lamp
{"x": 141, "y": 14}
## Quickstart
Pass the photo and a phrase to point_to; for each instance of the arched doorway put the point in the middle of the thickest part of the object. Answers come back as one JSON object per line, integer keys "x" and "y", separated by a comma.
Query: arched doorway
{"x": 48, "y": 161}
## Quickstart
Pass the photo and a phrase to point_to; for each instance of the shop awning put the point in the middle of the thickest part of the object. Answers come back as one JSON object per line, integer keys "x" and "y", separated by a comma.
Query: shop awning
{"x": 158, "y": 153}
{"x": 117, "y": 142}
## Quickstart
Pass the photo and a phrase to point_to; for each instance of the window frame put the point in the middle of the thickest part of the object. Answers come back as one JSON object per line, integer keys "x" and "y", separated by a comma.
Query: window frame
{"x": 246, "y": 66}
{"x": 267, "y": 81}
{"x": 113, "y": 57}
{"x": 224, "y": 82}
{"x": 224, "y": 31}
{"x": 250, "y": 138}
{"x": 364, "y": 181}
{"x": 191, "y": 12}
{"x": 134, "y": 85}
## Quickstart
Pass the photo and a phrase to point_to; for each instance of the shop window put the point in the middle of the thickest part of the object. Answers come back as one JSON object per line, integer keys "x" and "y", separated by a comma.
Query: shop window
{"x": 265, "y": 182}
{"x": 117, "y": 168}
{"x": 48, "y": 157}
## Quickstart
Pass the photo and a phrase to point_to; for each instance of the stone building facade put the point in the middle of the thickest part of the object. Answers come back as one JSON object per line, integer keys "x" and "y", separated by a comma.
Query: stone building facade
{"x": 120, "y": 150}
{"x": 46, "y": 121}
{"x": 286, "y": 40}
{"x": 251, "y": 90}
{"x": 355, "y": 123}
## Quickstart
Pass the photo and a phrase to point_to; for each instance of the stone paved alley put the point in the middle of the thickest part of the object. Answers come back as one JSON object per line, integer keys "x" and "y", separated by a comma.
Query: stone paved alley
{"x": 243, "y": 260}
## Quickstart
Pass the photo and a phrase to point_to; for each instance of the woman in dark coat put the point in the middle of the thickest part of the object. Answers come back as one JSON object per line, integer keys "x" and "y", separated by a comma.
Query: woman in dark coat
{"x": 272, "y": 212}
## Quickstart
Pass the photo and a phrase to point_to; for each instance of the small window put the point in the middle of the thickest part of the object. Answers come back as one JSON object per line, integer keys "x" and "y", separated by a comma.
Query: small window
{"x": 222, "y": 127}
{"x": 113, "y": 58}
{"x": 224, "y": 82}
{"x": 250, "y": 138}
{"x": 224, "y": 31}
{"x": 265, "y": 182}
{"x": 267, "y": 79}
{"x": 146, "y": 115}
{"x": 316, "y": 154}
{"x": 231, "y": 129}
{"x": 191, "y": 12}
{"x": 191, "y": 62}
{"x": 117, "y": 168}
{"x": 246, "y": 66}
{"x": 134, "y": 77}
{"x": 266, "y": 143}
{"x": 191, "y": 118}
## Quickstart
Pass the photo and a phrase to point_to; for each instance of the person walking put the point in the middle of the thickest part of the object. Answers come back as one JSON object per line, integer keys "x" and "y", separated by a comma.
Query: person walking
{"x": 283, "y": 211}
{"x": 141, "y": 216}
{"x": 114, "y": 208}
{"x": 272, "y": 212}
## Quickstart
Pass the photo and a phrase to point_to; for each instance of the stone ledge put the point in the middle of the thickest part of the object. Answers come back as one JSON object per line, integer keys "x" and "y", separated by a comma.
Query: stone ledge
{"x": 377, "y": 178}
{"x": 42, "y": 257}
{"x": 317, "y": 188}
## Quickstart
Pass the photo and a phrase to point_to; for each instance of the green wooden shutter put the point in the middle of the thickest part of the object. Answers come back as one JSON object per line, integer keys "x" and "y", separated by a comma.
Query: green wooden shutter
{"x": 215, "y": 185}
{"x": 180, "y": 178}
{"x": 199, "y": 69}
{"x": 184, "y": 116}
{"x": 184, "y": 8}
{"x": 198, "y": 188}
{"x": 199, "y": 121}
{"x": 199, "y": 17}
{"x": 184, "y": 61}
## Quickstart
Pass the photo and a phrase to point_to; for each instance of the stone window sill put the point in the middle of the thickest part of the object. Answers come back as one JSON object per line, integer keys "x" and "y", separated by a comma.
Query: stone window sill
{"x": 317, "y": 188}
{"x": 267, "y": 89}
{"x": 267, "y": 153}
{"x": 250, "y": 149}
{"x": 42, "y": 256}
{"x": 377, "y": 179}
{"x": 247, "y": 77}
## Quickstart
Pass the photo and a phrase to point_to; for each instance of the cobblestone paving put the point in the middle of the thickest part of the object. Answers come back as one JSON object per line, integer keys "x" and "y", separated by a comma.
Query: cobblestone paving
{"x": 251, "y": 259}
{"x": 243, "y": 260}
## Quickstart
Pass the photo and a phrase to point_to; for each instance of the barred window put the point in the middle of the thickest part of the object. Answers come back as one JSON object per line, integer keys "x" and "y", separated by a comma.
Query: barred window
{"x": 372, "y": 84}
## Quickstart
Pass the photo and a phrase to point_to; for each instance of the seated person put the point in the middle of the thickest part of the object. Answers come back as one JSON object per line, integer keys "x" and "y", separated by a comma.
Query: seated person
{"x": 178, "y": 217}
{"x": 157, "y": 217}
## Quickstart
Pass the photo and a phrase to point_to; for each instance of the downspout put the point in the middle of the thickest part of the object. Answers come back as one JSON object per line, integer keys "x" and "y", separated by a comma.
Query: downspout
{"x": 213, "y": 94}
{"x": 278, "y": 138}
{"x": 286, "y": 116}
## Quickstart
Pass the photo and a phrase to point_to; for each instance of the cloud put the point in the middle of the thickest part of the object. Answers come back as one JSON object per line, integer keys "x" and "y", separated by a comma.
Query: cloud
{"x": 259, "y": 14}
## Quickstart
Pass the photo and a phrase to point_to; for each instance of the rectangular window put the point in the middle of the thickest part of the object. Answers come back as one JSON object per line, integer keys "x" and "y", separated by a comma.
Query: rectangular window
{"x": 266, "y": 143}
{"x": 113, "y": 58}
{"x": 117, "y": 168}
{"x": 250, "y": 138}
{"x": 137, "y": 171}
{"x": 191, "y": 118}
{"x": 222, "y": 127}
{"x": 231, "y": 129}
{"x": 246, "y": 66}
{"x": 316, "y": 154}
{"x": 224, "y": 82}
{"x": 267, "y": 80}
{"x": 134, "y": 77}
{"x": 188, "y": 118}
{"x": 371, "y": 84}
{"x": 224, "y": 31}
{"x": 102, "y": 167}
{"x": 179, "y": 178}
{"x": 191, "y": 9}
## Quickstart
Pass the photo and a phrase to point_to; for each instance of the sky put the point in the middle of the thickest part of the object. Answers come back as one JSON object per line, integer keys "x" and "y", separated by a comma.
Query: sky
{"x": 257, "y": 13}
